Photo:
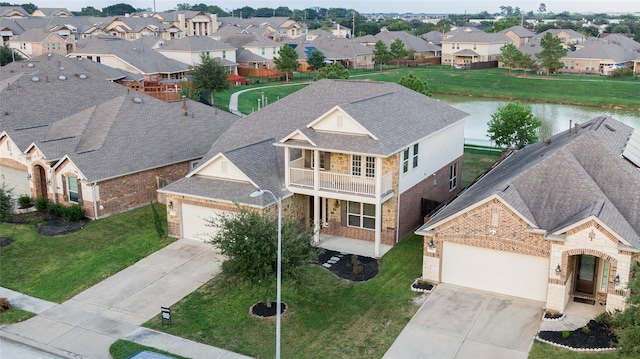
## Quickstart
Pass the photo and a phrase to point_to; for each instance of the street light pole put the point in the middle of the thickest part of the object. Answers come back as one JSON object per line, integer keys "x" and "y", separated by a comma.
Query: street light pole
{"x": 258, "y": 193}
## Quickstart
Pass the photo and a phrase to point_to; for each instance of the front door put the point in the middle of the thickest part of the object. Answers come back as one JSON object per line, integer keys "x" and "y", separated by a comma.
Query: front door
{"x": 586, "y": 274}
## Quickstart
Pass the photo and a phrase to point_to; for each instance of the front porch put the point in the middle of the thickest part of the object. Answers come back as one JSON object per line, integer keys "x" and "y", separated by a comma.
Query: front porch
{"x": 576, "y": 315}
{"x": 351, "y": 246}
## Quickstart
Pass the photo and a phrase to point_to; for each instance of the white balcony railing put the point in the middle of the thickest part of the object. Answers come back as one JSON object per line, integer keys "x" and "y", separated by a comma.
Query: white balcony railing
{"x": 339, "y": 182}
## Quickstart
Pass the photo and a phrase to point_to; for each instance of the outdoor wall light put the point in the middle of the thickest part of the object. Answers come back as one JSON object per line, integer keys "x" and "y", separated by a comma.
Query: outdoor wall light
{"x": 28, "y": 176}
{"x": 558, "y": 269}
{"x": 617, "y": 279}
{"x": 170, "y": 204}
{"x": 49, "y": 181}
{"x": 431, "y": 244}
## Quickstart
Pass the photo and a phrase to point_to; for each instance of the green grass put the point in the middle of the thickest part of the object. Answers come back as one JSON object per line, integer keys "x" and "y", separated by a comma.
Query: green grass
{"x": 599, "y": 91}
{"x": 59, "y": 267}
{"x": 474, "y": 163}
{"x": 327, "y": 317}
{"x": 541, "y": 350}
{"x": 123, "y": 349}
{"x": 14, "y": 315}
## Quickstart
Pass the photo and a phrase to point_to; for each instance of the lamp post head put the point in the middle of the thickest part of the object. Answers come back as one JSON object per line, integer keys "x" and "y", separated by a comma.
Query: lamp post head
{"x": 257, "y": 193}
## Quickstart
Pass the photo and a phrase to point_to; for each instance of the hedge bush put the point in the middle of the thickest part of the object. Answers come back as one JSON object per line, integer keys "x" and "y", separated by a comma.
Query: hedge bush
{"x": 73, "y": 213}
{"x": 24, "y": 201}
{"x": 42, "y": 203}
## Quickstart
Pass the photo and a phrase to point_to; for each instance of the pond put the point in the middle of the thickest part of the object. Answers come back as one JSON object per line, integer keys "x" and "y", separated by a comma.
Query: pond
{"x": 555, "y": 118}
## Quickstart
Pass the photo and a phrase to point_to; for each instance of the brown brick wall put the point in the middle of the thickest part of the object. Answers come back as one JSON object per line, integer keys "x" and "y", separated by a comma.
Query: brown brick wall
{"x": 388, "y": 233}
{"x": 12, "y": 163}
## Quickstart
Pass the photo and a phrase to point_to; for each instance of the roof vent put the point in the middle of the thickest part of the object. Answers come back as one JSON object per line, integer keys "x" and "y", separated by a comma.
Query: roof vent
{"x": 62, "y": 77}
{"x": 83, "y": 76}
{"x": 61, "y": 68}
{"x": 137, "y": 100}
{"x": 134, "y": 49}
{"x": 30, "y": 64}
{"x": 35, "y": 79}
{"x": 49, "y": 55}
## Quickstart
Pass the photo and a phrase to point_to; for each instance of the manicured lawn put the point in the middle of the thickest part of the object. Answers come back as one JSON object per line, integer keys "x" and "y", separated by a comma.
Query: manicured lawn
{"x": 541, "y": 350}
{"x": 582, "y": 90}
{"x": 123, "y": 349}
{"x": 327, "y": 317}
{"x": 474, "y": 163}
{"x": 59, "y": 267}
{"x": 14, "y": 315}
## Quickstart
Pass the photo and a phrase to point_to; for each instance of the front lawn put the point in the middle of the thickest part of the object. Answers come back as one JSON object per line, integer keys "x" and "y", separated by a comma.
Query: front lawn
{"x": 59, "y": 267}
{"x": 541, "y": 350}
{"x": 327, "y": 317}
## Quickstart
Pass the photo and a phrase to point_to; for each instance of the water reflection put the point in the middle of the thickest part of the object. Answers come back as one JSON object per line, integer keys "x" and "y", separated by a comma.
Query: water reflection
{"x": 554, "y": 117}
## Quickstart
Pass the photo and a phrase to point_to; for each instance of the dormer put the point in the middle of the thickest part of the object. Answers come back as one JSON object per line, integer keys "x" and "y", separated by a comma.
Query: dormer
{"x": 339, "y": 121}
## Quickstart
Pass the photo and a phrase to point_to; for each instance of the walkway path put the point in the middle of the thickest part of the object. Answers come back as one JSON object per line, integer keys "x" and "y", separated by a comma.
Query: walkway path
{"x": 86, "y": 325}
{"x": 233, "y": 101}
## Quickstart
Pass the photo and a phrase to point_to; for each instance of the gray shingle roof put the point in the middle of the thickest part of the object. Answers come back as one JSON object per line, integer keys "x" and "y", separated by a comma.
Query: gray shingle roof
{"x": 606, "y": 49}
{"x": 196, "y": 44}
{"x": 107, "y": 133}
{"x": 559, "y": 184}
{"x": 476, "y": 36}
{"x": 388, "y": 37}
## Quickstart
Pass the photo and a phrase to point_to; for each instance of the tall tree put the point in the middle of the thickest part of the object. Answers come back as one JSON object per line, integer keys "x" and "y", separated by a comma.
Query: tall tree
{"x": 509, "y": 56}
{"x": 381, "y": 54}
{"x": 333, "y": 71}
{"x": 542, "y": 8}
{"x": 398, "y": 51}
{"x": 552, "y": 52}
{"x": 412, "y": 81}
{"x": 118, "y": 9}
{"x": 513, "y": 125}
{"x": 287, "y": 60}
{"x": 249, "y": 241}
{"x": 316, "y": 60}
{"x": 8, "y": 55}
{"x": 526, "y": 63}
{"x": 209, "y": 75}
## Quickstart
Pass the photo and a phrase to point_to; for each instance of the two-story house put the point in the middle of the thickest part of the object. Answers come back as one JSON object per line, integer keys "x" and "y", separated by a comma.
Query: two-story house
{"x": 357, "y": 159}
{"x": 188, "y": 50}
{"x": 466, "y": 46}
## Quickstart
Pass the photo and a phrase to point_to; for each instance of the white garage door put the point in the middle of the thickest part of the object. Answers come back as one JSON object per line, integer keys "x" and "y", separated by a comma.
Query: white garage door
{"x": 16, "y": 179}
{"x": 194, "y": 222}
{"x": 496, "y": 271}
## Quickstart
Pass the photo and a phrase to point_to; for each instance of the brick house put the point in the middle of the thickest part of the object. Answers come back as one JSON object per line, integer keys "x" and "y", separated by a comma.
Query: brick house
{"x": 467, "y": 45}
{"x": 355, "y": 158}
{"x": 554, "y": 221}
{"x": 74, "y": 137}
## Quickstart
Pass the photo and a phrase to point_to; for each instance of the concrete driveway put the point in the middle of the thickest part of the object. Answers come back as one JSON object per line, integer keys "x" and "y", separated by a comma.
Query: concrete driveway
{"x": 457, "y": 322}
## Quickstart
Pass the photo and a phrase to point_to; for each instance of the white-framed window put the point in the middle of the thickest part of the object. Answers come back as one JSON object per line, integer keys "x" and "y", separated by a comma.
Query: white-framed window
{"x": 262, "y": 50}
{"x": 224, "y": 54}
{"x": 415, "y": 155}
{"x": 453, "y": 176}
{"x": 193, "y": 165}
{"x": 322, "y": 160}
{"x": 72, "y": 187}
{"x": 405, "y": 161}
{"x": 474, "y": 46}
{"x": 370, "y": 166}
{"x": 361, "y": 215}
{"x": 356, "y": 165}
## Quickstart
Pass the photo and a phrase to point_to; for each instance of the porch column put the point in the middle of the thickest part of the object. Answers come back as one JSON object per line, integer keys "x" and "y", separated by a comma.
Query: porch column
{"x": 378, "y": 232}
{"x": 316, "y": 198}
{"x": 287, "y": 166}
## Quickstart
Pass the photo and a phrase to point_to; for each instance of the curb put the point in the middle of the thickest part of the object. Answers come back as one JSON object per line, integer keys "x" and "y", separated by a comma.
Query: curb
{"x": 40, "y": 346}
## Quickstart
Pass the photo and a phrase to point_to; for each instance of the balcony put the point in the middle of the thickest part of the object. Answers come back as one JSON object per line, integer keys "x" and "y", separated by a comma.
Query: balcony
{"x": 338, "y": 182}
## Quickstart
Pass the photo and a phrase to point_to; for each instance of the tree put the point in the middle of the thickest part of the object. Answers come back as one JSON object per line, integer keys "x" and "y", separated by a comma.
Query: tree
{"x": 552, "y": 52}
{"x": 525, "y": 62}
{"x": 118, "y": 9}
{"x": 509, "y": 56}
{"x": 249, "y": 241}
{"x": 542, "y": 8}
{"x": 183, "y": 6}
{"x": 627, "y": 322}
{"x": 316, "y": 60}
{"x": 381, "y": 54}
{"x": 503, "y": 24}
{"x": 513, "y": 125}
{"x": 333, "y": 71}
{"x": 8, "y": 55}
{"x": 6, "y": 201}
{"x": 412, "y": 81}
{"x": 398, "y": 51}
{"x": 209, "y": 75}
{"x": 287, "y": 60}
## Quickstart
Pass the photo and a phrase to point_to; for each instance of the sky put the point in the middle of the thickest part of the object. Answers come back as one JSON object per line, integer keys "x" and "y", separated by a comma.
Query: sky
{"x": 369, "y": 6}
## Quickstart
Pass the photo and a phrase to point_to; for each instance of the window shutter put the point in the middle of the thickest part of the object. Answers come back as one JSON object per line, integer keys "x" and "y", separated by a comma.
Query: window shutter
{"x": 64, "y": 188}
{"x": 343, "y": 213}
{"x": 327, "y": 161}
{"x": 307, "y": 158}
{"x": 79, "y": 191}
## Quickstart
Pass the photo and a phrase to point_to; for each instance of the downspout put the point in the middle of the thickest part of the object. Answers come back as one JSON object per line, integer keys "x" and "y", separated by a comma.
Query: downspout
{"x": 95, "y": 201}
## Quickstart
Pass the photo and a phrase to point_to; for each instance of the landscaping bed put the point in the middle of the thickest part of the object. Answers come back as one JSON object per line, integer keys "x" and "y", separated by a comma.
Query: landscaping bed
{"x": 592, "y": 336}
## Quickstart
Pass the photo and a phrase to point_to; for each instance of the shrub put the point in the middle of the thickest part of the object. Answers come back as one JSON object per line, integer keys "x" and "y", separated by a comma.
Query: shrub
{"x": 605, "y": 318}
{"x": 586, "y": 330}
{"x": 24, "y": 201}
{"x": 6, "y": 202}
{"x": 73, "y": 213}
{"x": 4, "y": 304}
{"x": 42, "y": 204}
{"x": 55, "y": 209}
{"x": 357, "y": 268}
{"x": 565, "y": 334}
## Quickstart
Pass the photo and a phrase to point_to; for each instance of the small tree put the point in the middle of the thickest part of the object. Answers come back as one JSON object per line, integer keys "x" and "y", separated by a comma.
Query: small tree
{"x": 509, "y": 56}
{"x": 209, "y": 75}
{"x": 316, "y": 60}
{"x": 413, "y": 82}
{"x": 628, "y": 321}
{"x": 287, "y": 60}
{"x": 381, "y": 54}
{"x": 8, "y": 55}
{"x": 6, "y": 201}
{"x": 398, "y": 51}
{"x": 526, "y": 63}
{"x": 333, "y": 71}
{"x": 249, "y": 241}
{"x": 552, "y": 52}
{"x": 157, "y": 223}
{"x": 513, "y": 125}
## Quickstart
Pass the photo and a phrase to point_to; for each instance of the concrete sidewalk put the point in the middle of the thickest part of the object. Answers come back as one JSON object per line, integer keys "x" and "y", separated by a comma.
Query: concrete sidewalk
{"x": 86, "y": 325}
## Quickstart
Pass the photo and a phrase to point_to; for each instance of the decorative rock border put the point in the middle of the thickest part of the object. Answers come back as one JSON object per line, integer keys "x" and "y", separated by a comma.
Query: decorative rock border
{"x": 418, "y": 280}
{"x": 575, "y": 349}
{"x": 544, "y": 319}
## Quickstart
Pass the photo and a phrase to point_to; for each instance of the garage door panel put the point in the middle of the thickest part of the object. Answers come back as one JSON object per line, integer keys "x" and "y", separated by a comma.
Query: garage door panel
{"x": 496, "y": 271}
{"x": 195, "y": 222}
{"x": 15, "y": 179}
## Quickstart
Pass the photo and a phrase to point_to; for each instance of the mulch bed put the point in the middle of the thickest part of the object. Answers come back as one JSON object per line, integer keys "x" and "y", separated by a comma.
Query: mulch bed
{"x": 343, "y": 268}
{"x": 420, "y": 285}
{"x": 262, "y": 310}
{"x": 599, "y": 337}
{"x": 48, "y": 225}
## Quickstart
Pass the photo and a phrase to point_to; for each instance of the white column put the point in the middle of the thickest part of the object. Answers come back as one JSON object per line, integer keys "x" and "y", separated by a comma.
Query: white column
{"x": 378, "y": 232}
{"x": 316, "y": 198}
{"x": 287, "y": 166}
